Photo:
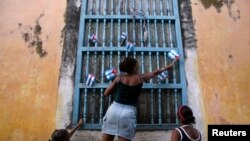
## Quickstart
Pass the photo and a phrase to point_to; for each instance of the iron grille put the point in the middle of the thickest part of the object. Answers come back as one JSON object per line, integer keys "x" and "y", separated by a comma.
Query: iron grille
{"x": 154, "y": 28}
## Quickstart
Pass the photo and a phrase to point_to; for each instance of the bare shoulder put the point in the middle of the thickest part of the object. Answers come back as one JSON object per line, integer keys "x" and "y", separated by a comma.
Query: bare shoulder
{"x": 175, "y": 136}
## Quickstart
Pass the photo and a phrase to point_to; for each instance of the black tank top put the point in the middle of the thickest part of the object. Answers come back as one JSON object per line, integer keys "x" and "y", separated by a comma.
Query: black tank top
{"x": 126, "y": 94}
{"x": 185, "y": 136}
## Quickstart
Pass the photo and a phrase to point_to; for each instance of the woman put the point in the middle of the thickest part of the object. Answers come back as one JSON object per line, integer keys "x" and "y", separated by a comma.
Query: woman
{"x": 120, "y": 118}
{"x": 186, "y": 132}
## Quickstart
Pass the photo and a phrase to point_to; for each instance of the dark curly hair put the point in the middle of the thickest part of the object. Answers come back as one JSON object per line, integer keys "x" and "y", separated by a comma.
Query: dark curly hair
{"x": 60, "y": 135}
{"x": 186, "y": 115}
{"x": 128, "y": 65}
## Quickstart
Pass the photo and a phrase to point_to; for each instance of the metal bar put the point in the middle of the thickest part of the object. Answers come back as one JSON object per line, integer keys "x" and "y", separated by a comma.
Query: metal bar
{"x": 168, "y": 8}
{"x": 127, "y": 34}
{"x": 161, "y": 10}
{"x": 168, "y": 105}
{"x": 152, "y": 106}
{"x": 119, "y": 40}
{"x": 98, "y": 7}
{"x": 151, "y": 92}
{"x": 85, "y": 105}
{"x": 141, "y": 33}
{"x": 123, "y": 17}
{"x": 93, "y": 109}
{"x": 170, "y": 34}
{"x": 163, "y": 34}
{"x": 159, "y": 107}
{"x": 156, "y": 35}
{"x": 154, "y": 8}
{"x": 145, "y": 86}
{"x": 112, "y": 7}
{"x": 107, "y": 49}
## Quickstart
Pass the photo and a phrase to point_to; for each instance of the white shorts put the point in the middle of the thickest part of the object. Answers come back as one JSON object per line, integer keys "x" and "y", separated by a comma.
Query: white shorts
{"x": 120, "y": 120}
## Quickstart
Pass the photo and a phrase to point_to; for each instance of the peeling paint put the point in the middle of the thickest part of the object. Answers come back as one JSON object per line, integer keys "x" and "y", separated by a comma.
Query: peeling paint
{"x": 218, "y": 4}
{"x": 31, "y": 37}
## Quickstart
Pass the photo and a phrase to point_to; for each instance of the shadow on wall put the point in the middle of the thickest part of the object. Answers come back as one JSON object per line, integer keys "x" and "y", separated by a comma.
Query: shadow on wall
{"x": 218, "y": 4}
{"x": 31, "y": 37}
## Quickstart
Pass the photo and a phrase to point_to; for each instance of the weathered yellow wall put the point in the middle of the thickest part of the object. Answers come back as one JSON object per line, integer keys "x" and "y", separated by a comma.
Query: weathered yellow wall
{"x": 223, "y": 41}
{"x": 29, "y": 83}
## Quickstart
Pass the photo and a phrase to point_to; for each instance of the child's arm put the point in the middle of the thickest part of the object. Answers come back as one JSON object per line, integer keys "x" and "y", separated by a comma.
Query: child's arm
{"x": 79, "y": 124}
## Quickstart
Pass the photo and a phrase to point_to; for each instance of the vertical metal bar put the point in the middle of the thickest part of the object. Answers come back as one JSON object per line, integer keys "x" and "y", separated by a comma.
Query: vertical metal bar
{"x": 163, "y": 34}
{"x": 156, "y": 34}
{"x": 127, "y": 33}
{"x": 85, "y": 104}
{"x": 161, "y": 10}
{"x": 76, "y": 108}
{"x": 154, "y": 8}
{"x": 119, "y": 7}
{"x": 175, "y": 104}
{"x": 86, "y": 90}
{"x": 147, "y": 6}
{"x": 93, "y": 109}
{"x": 168, "y": 9}
{"x": 149, "y": 35}
{"x": 101, "y": 106}
{"x": 119, "y": 42}
{"x": 170, "y": 33}
{"x": 112, "y": 7}
{"x": 98, "y": 7}
{"x": 159, "y": 92}
{"x": 134, "y": 36}
{"x": 126, "y": 8}
{"x": 141, "y": 33}
{"x": 168, "y": 105}
{"x": 159, "y": 107}
{"x": 151, "y": 92}
{"x": 104, "y": 33}
{"x": 96, "y": 30}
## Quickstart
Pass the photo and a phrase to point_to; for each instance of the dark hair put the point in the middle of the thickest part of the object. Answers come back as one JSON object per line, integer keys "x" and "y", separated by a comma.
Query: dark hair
{"x": 186, "y": 115}
{"x": 128, "y": 65}
{"x": 60, "y": 135}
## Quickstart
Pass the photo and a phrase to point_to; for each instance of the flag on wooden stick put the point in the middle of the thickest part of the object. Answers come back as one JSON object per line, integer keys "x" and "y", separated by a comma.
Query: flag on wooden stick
{"x": 173, "y": 54}
{"x": 163, "y": 76}
{"x": 123, "y": 37}
{"x": 111, "y": 73}
{"x": 93, "y": 38}
{"x": 130, "y": 46}
{"x": 90, "y": 81}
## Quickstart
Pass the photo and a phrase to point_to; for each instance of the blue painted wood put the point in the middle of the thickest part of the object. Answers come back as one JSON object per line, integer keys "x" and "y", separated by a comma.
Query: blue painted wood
{"x": 182, "y": 61}
{"x": 76, "y": 109}
{"x": 108, "y": 25}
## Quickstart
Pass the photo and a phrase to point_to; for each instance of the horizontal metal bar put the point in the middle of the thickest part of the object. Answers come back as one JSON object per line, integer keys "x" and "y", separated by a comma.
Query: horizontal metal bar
{"x": 136, "y": 49}
{"x": 145, "y": 86}
{"x": 139, "y": 127}
{"x": 124, "y": 17}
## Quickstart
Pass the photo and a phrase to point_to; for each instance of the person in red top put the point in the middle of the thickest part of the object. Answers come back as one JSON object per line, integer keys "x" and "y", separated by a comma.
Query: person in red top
{"x": 186, "y": 132}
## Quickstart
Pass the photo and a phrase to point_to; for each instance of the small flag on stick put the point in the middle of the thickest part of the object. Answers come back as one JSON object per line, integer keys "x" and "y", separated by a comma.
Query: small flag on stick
{"x": 130, "y": 46}
{"x": 90, "y": 81}
{"x": 94, "y": 38}
{"x": 162, "y": 76}
{"x": 123, "y": 37}
{"x": 173, "y": 55}
{"x": 111, "y": 73}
